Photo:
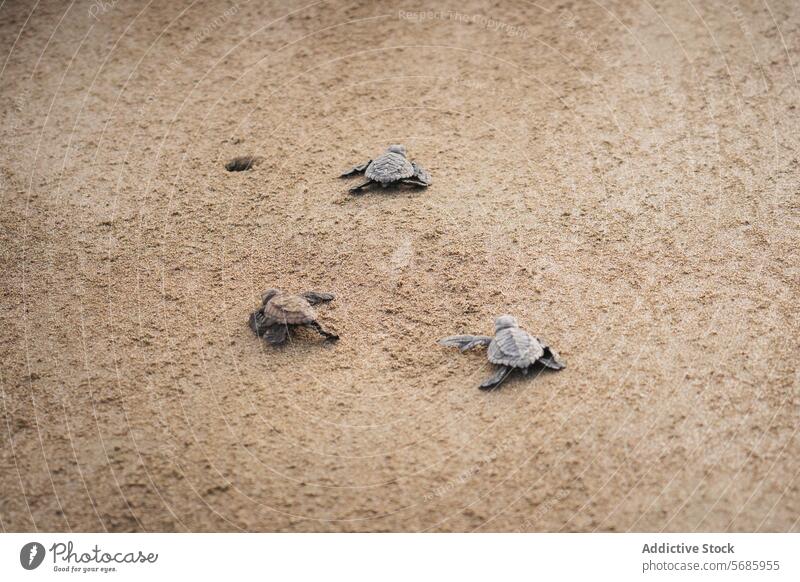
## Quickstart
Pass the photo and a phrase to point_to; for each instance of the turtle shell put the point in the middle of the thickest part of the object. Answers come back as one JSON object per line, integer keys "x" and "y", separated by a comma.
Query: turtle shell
{"x": 389, "y": 167}
{"x": 289, "y": 309}
{"x": 515, "y": 347}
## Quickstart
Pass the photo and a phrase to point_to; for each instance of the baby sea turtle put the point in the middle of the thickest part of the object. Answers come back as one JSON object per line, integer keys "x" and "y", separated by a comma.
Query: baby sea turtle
{"x": 391, "y": 167}
{"x": 279, "y": 310}
{"x": 511, "y": 347}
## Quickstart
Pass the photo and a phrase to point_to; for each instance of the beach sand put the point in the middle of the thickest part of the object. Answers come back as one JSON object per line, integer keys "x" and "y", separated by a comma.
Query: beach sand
{"x": 620, "y": 176}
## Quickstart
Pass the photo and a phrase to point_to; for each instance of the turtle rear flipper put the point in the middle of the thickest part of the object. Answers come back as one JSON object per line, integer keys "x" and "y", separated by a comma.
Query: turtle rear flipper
{"x": 497, "y": 379}
{"x": 420, "y": 177}
{"x": 319, "y": 329}
{"x": 357, "y": 189}
{"x": 550, "y": 360}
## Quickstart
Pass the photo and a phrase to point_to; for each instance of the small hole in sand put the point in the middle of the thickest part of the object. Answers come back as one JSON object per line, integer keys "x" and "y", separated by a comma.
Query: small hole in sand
{"x": 241, "y": 164}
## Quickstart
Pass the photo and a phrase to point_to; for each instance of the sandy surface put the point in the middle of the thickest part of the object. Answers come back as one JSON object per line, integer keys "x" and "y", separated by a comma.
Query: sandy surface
{"x": 622, "y": 176}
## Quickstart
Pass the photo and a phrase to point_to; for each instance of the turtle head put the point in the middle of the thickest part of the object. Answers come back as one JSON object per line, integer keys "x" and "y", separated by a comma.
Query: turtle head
{"x": 268, "y": 294}
{"x": 397, "y": 149}
{"x": 504, "y": 322}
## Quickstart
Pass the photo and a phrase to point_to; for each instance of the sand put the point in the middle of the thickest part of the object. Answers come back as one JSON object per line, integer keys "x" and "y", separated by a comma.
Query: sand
{"x": 621, "y": 176}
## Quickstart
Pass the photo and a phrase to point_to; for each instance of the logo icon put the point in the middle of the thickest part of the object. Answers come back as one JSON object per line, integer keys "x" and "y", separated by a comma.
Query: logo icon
{"x": 31, "y": 555}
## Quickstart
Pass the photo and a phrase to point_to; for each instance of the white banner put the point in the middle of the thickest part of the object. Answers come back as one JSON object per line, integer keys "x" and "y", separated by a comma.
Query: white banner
{"x": 378, "y": 557}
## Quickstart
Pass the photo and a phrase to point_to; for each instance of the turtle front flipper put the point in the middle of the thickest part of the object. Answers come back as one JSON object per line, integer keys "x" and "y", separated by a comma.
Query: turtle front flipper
{"x": 359, "y": 169}
{"x": 315, "y": 297}
{"x": 276, "y": 334}
{"x": 550, "y": 359}
{"x": 477, "y": 340}
{"x": 465, "y": 342}
{"x": 318, "y": 328}
{"x": 497, "y": 379}
{"x": 258, "y": 323}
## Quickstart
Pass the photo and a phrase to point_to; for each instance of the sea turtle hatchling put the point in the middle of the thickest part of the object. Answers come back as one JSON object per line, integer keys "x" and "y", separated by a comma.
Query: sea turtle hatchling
{"x": 511, "y": 348}
{"x": 280, "y": 310}
{"x": 391, "y": 167}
